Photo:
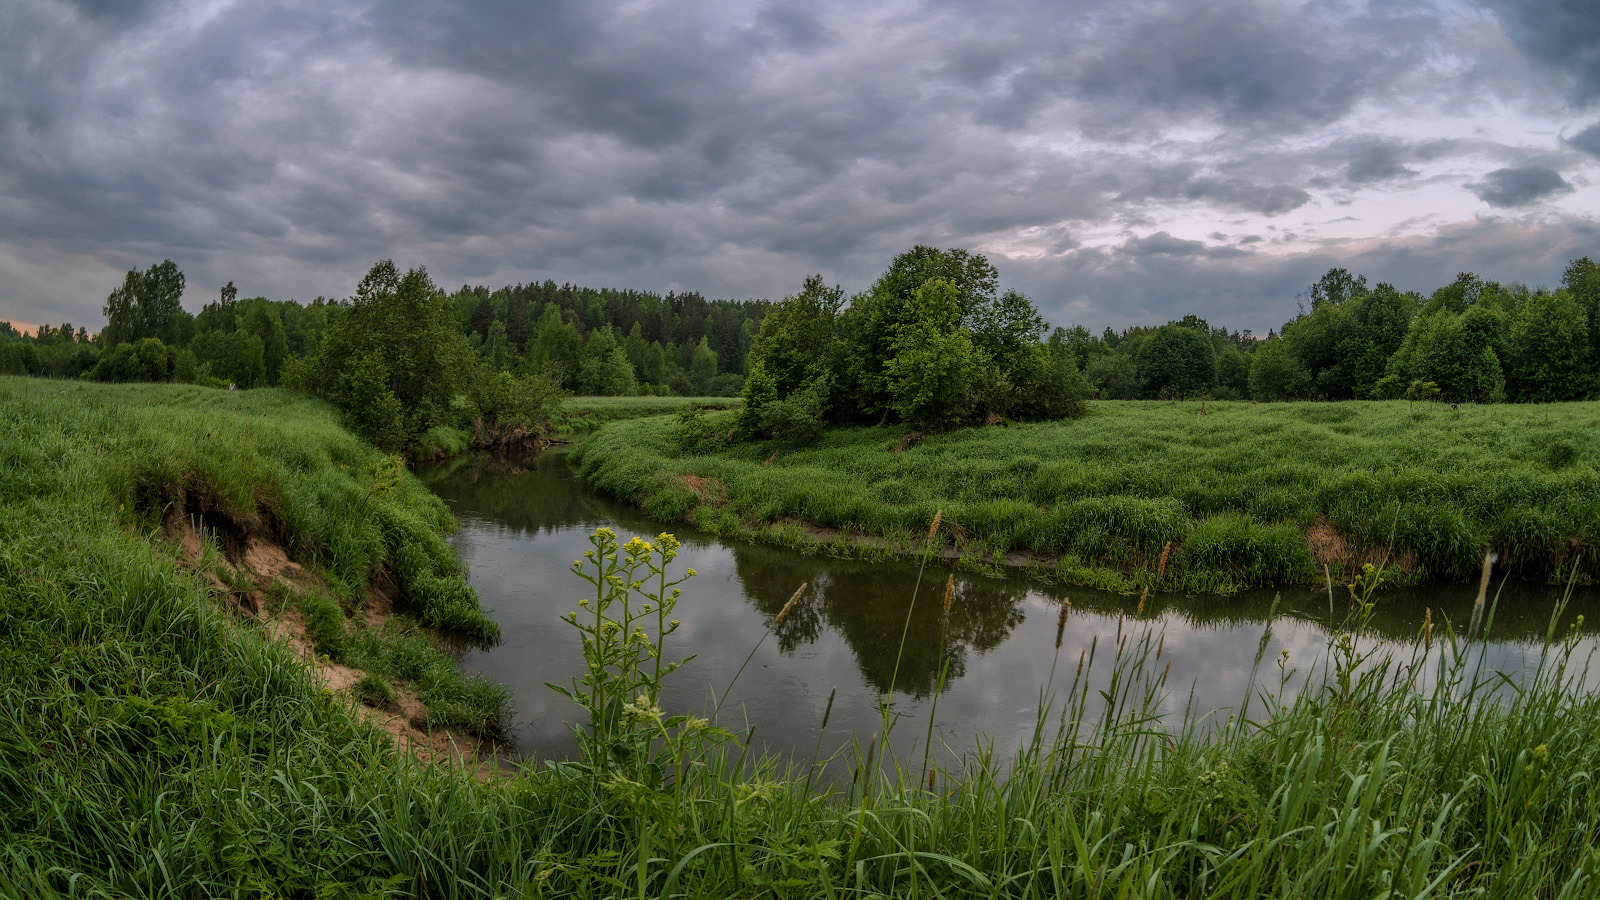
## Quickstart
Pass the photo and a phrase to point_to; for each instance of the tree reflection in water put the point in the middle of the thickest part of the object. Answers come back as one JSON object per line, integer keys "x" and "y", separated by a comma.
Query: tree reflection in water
{"x": 867, "y": 603}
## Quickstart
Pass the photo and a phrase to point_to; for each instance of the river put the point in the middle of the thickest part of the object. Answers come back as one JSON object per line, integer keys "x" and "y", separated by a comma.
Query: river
{"x": 524, "y": 523}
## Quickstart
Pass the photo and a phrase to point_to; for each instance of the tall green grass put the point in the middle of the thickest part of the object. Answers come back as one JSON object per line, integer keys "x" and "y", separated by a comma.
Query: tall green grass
{"x": 123, "y": 461}
{"x": 580, "y": 415}
{"x": 1228, "y": 496}
{"x": 151, "y": 746}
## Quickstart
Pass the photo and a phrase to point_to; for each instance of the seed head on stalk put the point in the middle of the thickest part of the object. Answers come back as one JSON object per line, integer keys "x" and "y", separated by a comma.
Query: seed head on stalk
{"x": 788, "y": 607}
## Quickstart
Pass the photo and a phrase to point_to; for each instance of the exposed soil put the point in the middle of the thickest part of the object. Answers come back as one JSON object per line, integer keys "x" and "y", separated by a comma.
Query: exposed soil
{"x": 709, "y": 490}
{"x": 249, "y": 564}
{"x": 1332, "y": 549}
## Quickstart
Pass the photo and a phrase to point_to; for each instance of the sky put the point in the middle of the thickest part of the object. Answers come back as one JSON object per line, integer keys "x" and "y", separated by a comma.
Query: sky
{"x": 1121, "y": 162}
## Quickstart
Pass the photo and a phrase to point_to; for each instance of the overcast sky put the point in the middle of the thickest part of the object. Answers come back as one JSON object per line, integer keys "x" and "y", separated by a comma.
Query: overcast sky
{"x": 1121, "y": 162}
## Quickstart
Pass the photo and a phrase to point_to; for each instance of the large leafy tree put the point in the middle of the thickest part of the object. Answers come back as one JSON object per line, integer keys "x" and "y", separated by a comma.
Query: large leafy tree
{"x": 934, "y": 361}
{"x": 798, "y": 337}
{"x": 1460, "y": 353}
{"x": 1114, "y": 376}
{"x": 1275, "y": 373}
{"x": 147, "y": 305}
{"x": 1549, "y": 352}
{"x": 261, "y": 320}
{"x": 1177, "y": 362}
{"x": 605, "y": 370}
{"x": 395, "y": 361}
{"x": 877, "y": 317}
{"x": 1582, "y": 280}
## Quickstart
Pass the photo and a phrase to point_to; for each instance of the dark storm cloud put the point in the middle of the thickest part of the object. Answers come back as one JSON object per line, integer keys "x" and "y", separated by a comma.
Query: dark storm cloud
{"x": 1184, "y": 183}
{"x": 1137, "y": 67}
{"x": 1560, "y": 36}
{"x": 1587, "y": 140}
{"x": 1519, "y": 186}
{"x": 723, "y": 147}
{"x": 1376, "y": 160}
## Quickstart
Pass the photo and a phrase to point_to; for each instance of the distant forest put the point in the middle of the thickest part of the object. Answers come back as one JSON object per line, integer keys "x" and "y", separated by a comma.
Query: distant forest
{"x": 597, "y": 341}
{"x": 1473, "y": 340}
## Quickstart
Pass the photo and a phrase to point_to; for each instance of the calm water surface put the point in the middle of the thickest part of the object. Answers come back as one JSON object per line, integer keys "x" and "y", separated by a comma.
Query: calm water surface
{"x": 523, "y": 524}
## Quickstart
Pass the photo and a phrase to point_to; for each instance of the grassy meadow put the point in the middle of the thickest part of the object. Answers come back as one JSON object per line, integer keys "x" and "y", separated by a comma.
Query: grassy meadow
{"x": 1197, "y": 497}
{"x": 581, "y": 415}
{"x": 156, "y": 743}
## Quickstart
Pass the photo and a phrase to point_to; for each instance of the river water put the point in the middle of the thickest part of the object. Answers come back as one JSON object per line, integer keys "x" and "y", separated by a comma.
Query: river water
{"x": 524, "y": 523}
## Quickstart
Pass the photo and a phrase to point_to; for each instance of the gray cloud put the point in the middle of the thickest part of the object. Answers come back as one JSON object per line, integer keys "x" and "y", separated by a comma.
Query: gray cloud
{"x": 1157, "y": 279}
{"x": 1561, "y": 36}
{"x": 1519, "y": 186}
{"x": 1587, "y": 140}
{"x": 732, "y": 148}
{"x": 1376, "y": 160}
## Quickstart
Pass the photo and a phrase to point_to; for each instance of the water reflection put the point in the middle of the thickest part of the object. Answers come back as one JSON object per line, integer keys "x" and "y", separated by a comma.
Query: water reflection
{"x": 872, "y": 606}
{"x": 523, "y": 522}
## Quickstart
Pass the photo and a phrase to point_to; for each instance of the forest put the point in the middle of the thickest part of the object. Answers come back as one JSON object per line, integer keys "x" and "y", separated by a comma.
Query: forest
{"x": 600, "y": 342}
{"x": 933, "y": 342}
{"x": 1470, "y": 341}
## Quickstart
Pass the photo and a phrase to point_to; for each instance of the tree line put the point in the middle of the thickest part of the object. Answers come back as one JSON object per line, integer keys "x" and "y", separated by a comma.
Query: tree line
{"x": 607, "y": 342}
{"x": 1472, "y": 340}
{"x": 590, "y": 341}
{"x": 932, "y": 342}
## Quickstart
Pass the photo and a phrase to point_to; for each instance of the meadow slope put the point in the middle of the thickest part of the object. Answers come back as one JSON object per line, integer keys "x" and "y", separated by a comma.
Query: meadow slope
{"x": 1185, "y": 496}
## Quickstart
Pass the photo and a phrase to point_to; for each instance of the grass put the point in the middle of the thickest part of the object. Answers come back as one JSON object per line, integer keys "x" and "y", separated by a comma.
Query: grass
{"x": 151, "y": 745}
{"x": 584, "y": 414}
{"x": 1246, "y": 495}
{"x": 97, "y": 471}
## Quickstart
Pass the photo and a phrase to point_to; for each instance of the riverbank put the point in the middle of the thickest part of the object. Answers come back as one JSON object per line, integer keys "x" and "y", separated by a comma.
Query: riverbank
{"x": 1205, "y": 498}
{"x": 582, "y": 415}
{"x": 158, "y": 739}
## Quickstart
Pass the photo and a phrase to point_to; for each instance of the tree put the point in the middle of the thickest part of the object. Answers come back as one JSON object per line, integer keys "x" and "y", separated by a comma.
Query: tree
{"x": 1275, "y": 374}
{"x": 1582, "y": 280}
{"x": 1114, "y": 376}
{"x": 143, "y": 360}
{"x": 876, "y": 318}
{"x": 933, "y": 362}
{"x": 1233, "y": 373}
{"x": 1063, "y": 392}
{"x": 605, "y": 370}
{"x": 262, "y": 321}
{"x": 231, "y": 357}
{"x": 146, "y": 305}
{"x": 496, "y": 347}
{"x": 1336, "y": 287}
{"x": 1549, "y": 350}
{"x": 797, "y": 337}
{"x": 1456, "y": 352}
{"x": 556, "y": 346}
{"x": 702, "y": 367}
{"x": 1177, "y": 362}
{"x": 397, "y": 348}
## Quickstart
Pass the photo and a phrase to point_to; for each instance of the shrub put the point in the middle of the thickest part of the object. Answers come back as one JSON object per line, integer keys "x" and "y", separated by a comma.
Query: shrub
{"x": 695, "y": 432}
{"x": 798, "y": 418}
